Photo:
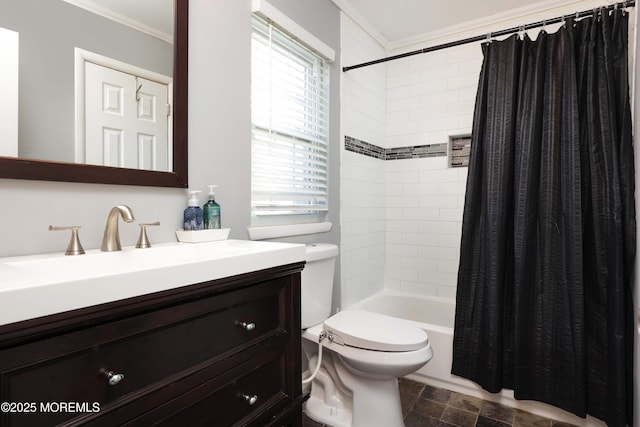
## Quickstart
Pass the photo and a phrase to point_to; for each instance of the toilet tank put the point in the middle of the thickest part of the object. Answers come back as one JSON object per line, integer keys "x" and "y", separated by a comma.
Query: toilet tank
{"x": 317, "y": 283}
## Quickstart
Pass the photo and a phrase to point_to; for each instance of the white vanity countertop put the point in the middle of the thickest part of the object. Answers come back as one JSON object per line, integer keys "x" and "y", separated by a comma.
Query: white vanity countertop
{"x": 40, "y": 285}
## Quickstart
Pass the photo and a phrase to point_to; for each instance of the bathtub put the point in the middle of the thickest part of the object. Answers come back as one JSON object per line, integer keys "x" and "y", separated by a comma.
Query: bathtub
{"x": 436, "y": 317}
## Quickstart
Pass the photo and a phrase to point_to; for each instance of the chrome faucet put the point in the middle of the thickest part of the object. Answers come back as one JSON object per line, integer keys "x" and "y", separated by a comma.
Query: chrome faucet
{"x": 111, "y": 239}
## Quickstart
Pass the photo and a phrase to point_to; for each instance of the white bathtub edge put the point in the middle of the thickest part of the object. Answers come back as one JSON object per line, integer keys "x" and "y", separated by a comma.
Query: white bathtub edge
{"x": 437, "y": 372}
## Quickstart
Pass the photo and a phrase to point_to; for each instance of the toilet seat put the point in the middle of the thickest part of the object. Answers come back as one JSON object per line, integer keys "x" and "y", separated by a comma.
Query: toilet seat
{"x": 374, "y": 331}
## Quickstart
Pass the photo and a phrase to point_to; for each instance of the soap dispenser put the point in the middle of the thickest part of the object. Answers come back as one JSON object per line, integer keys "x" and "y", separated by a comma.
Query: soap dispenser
{"x": 211, "y": 211}
{"x": 193, "y": 219}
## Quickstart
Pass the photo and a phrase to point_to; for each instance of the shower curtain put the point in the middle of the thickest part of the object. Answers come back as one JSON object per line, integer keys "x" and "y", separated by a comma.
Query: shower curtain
{"x": 544, "y": 303}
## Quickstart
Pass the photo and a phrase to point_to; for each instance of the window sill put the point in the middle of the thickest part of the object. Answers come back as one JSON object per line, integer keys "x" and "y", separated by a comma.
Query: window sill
{"x": 271, "y": 232}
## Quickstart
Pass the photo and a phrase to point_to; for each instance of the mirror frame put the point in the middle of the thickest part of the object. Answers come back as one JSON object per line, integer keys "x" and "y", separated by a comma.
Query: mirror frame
{"x": 18, "y": 168}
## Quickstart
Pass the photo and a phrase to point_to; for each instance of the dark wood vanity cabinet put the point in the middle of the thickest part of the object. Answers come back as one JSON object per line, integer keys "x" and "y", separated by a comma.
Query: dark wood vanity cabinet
{"x": 219, "y": 353}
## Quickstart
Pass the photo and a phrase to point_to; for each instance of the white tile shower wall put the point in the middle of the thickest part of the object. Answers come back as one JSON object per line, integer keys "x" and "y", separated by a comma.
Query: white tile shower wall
{"x": 362, "y": 216}
{"x": 362, "y": 178}
{"x": 424, "y": 201}
{"x": 429, "y": 98}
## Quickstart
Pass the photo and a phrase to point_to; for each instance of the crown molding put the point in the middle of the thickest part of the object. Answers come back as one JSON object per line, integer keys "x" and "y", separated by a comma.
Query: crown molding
{"x": 362, "y": 22}
{"x": 95, "y": 7}
{"x": 499, "y": 21}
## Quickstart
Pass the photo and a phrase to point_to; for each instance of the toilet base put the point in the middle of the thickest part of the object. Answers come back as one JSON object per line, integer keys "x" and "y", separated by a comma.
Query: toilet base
{"x": 372, "y": 403}
{"x": 319, "y": 412}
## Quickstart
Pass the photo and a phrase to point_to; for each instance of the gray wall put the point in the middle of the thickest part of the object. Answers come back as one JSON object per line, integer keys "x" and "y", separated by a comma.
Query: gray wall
{"x": 219, "y": 144}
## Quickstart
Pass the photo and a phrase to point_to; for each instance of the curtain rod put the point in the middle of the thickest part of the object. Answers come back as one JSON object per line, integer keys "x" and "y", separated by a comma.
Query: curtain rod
{"x": 622, "y": 5}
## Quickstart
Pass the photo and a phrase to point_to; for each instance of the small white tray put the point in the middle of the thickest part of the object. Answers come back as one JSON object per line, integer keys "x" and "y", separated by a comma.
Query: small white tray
{"x": 197, "y": 236}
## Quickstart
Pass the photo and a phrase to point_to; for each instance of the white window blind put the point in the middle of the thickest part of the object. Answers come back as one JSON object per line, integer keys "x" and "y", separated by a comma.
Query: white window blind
{"x": 290, "y": 124}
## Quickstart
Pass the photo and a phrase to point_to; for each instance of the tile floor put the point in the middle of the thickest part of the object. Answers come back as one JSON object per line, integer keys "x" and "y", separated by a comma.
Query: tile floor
{"x": 426, "y": 406}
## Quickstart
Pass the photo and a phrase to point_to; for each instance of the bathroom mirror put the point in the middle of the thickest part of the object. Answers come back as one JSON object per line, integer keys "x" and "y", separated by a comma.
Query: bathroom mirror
{"x": 23, "y": 167}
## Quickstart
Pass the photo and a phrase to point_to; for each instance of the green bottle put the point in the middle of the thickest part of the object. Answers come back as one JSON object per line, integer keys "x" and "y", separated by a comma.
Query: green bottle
{"x": 211, "y": 211}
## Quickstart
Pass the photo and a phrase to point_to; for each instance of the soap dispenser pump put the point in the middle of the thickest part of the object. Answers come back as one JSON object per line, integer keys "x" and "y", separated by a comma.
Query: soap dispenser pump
{"x": 193, "y": 217}
{"x": 211, "y": 211}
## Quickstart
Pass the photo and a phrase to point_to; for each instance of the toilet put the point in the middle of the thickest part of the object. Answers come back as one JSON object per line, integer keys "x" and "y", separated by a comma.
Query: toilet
{"x": 363, "y": 353}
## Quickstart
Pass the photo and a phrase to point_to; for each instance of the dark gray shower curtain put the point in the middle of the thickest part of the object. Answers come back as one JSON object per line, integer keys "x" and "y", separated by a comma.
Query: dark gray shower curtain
{"x": 548, "y": 236}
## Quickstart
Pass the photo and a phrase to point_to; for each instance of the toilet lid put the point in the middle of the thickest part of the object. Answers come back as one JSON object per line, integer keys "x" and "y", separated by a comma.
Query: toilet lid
{"x": 373, "y": 331}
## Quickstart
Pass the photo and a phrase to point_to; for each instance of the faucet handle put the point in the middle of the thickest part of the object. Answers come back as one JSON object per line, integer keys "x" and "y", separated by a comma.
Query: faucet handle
{"x": 143, "y": 240}
{"x": 74, "y": 248}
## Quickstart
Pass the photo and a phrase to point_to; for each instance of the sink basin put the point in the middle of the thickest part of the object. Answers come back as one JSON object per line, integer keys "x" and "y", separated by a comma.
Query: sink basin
{"x": 39, "y": 285}
{"x": 96, "y": 263}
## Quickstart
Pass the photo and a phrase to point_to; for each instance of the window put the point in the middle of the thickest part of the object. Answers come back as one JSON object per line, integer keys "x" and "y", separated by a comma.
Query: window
{"x": 290, "y": 128}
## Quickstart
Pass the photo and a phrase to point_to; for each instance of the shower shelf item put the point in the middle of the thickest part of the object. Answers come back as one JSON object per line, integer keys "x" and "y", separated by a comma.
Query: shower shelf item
{"x": 460, "y": 150}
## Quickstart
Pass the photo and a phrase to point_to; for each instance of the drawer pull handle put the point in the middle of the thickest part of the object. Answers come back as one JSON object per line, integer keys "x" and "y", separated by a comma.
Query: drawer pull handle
{"x": 251, "y": 400}
{"x": 113, "y": 377}
{"x": 247, "y": 326}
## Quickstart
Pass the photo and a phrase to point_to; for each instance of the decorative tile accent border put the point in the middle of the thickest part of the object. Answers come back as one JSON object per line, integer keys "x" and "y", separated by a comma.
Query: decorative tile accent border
{"x": 412, "y": 152}
{"x": 364, "y": 148}
{"x": 416, "y": 152}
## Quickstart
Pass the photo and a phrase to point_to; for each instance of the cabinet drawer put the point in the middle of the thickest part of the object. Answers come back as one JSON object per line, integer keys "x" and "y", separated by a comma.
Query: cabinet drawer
{"x": 151, "y": 350}
{"x": 245, "y": 395}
